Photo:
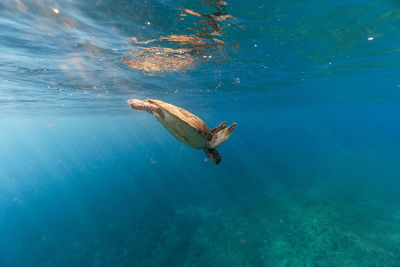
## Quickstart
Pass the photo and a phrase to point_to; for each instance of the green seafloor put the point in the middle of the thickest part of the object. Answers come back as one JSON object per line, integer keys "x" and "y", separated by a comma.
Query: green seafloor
{"x": 309, "y": 177}
{"x": 86, "y": 192}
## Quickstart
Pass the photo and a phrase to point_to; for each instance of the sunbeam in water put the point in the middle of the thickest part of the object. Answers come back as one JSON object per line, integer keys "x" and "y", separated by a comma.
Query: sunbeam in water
{"x": 308, "y": 178}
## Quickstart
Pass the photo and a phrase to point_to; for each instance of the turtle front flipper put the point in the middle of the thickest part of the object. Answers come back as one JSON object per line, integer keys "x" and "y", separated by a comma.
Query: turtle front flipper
{"x": 143, "y": 105}
{"x": 213, "y": 155}
{"x": 221, "y": 126}
{"x": 221, "y": 136}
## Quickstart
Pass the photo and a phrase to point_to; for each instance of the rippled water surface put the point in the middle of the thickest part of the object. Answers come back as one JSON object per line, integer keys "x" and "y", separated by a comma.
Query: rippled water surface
{"x": 308, "y": 178}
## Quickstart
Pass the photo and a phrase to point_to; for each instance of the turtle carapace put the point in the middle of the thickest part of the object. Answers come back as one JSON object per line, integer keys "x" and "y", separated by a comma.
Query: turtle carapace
{"x": 186, "y": 127}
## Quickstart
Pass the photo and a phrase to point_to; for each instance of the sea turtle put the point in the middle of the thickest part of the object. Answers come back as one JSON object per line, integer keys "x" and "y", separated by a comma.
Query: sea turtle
{"x": 186, "y": 127}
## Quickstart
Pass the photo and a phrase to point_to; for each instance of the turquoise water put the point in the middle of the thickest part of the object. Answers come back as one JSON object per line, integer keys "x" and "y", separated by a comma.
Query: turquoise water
{"x": 310, "y": 176}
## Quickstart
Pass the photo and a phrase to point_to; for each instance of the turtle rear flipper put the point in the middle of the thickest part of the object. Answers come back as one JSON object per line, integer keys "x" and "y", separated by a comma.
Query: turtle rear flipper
{"x": 219, "y": 127}
{"x": 221, "y": 136}
{"x": 213, "y": 155}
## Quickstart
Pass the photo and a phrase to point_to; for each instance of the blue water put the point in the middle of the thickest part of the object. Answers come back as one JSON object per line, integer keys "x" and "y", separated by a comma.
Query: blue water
{"x": 310, "y": 176}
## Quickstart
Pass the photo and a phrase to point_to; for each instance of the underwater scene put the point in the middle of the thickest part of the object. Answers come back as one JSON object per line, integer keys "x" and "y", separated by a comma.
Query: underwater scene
{"x": 257, "y": 133}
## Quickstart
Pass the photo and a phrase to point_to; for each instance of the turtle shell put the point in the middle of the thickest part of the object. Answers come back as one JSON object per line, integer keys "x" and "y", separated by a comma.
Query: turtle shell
{"x": 185, "y": 126}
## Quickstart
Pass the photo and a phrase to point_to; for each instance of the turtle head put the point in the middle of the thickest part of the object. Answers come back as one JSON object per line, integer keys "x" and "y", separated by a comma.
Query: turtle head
{"x": 221, "y": 136}
{"x": 213, "y": 155}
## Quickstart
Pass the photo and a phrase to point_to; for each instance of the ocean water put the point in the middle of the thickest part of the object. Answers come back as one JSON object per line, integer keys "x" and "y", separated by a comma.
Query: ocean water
{"x": 309, "y": 177}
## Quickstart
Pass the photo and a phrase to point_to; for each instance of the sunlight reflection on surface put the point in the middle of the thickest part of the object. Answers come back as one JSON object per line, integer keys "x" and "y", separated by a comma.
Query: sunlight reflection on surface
{"x": 195, "y": 48}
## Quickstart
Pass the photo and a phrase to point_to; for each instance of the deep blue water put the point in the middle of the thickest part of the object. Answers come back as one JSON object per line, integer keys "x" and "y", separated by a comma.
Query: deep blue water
{"x": 310, "y": 176}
